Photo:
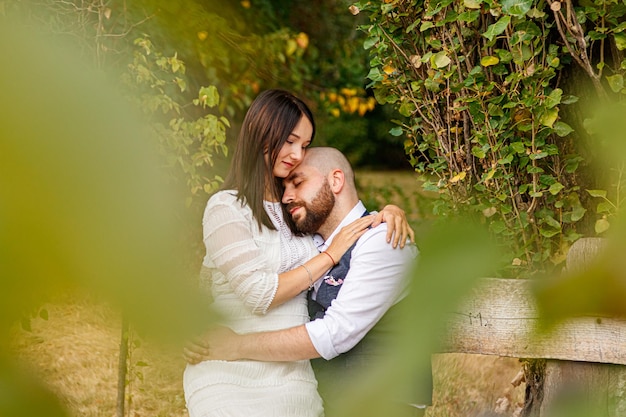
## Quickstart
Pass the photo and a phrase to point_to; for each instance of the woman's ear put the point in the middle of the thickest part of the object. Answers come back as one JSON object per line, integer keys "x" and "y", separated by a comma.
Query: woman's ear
{"x": 337, "y": 180}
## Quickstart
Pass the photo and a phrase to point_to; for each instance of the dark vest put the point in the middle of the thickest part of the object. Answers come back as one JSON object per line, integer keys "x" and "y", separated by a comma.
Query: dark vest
{"x": 331, "y": 284}
{"x": 330, "y": 373}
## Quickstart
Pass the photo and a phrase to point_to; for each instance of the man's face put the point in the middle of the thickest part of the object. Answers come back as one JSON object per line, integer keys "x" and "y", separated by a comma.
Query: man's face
{"x": 308, "y": 197}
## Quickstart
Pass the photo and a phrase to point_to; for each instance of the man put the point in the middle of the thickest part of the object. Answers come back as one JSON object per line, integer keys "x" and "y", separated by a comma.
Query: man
{"x": 352, "y": 307}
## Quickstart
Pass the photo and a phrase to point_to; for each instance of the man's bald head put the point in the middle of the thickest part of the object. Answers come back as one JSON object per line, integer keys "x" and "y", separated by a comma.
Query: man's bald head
{"x": 326, "y": 159}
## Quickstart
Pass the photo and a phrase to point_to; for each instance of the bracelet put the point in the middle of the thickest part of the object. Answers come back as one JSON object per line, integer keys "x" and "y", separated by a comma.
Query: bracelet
{"x": 310, "y": 276}
{"x": 331, "y": 258}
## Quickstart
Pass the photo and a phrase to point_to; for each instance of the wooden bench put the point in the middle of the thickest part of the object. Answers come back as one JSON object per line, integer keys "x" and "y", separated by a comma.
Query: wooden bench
{"x": 584, "y": 356}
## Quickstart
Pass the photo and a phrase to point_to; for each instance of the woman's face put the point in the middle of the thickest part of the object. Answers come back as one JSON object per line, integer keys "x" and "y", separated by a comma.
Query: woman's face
{"x": 292, "y": 152}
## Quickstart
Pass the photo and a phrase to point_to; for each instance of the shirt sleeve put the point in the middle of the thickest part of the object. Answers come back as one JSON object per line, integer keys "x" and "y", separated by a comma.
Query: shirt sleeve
{"x": 232, "y": 249}
{"x": 376, "y": 280}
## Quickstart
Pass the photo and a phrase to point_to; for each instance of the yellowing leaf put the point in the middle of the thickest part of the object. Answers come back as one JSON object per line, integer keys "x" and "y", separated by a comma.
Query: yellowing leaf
{"x": 440, "y": 60}
{"x": 549, "y": 117}
{"x": 602, "y": 225}
{"x": 291, "y": 47}
{"x": 472, "y": 4}
{"x": 458, "y": 177}
{"x": 302, "y": 40}
{"x": 597, "y": 193}
{"x": 389, "y": 69}
{"x": 202, "y": 35}
{"x": 489, "y": 60}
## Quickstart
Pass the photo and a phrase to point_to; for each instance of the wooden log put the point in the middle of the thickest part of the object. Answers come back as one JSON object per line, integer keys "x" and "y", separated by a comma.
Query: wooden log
{"x": 582, "y": 252}
{"x": 499, "y": 317}
{"x": 584, "y": 354}
{"x": 599, "y": 388}
{"x": 596, "y": 388}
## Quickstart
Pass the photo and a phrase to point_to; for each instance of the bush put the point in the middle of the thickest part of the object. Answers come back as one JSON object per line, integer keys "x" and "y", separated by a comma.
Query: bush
{"x": 482, "y": 89}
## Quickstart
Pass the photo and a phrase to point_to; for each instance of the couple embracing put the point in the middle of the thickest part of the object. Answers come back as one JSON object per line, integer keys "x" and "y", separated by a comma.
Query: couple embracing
{"x": 316, "y": 277}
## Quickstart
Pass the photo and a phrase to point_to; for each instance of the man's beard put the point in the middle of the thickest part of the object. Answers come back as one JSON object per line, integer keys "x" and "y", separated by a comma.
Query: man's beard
{"x": 316, "y": 212}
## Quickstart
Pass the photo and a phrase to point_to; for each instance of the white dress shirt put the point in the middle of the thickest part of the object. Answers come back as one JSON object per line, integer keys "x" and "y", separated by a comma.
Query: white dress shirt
{"x": 376, "y": 280}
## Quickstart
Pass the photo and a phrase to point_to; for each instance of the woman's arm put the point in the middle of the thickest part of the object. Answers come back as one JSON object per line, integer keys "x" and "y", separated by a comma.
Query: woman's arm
{"x": 398, "y": 228}
{"x": 292, "y": 283}
{"x": 232, "y": 248}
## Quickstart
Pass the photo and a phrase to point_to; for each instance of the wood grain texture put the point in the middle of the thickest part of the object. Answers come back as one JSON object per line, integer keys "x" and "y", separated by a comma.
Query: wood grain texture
{"x": 596, "y": 386}
{"x": 499, "y": 317}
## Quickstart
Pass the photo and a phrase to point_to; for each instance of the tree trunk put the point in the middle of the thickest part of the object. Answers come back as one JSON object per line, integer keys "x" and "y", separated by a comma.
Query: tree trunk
{"x": 122, "y": 368}
{"x": 534, "y": 372}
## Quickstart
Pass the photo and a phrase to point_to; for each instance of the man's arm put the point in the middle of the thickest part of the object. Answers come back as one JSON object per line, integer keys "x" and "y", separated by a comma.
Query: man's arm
{"x": 277, "y": 346}
{"x": 376, "y": 280}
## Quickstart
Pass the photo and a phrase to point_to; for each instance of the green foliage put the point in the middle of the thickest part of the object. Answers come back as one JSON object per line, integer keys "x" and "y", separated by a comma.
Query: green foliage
{"x": 478, "y": 86}
{"x": 156, "y": 83}
{"x": 85, "y": 204}
{"x": 183, "y": 117}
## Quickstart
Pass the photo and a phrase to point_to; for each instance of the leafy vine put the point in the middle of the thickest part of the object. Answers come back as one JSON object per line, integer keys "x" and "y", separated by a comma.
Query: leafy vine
{"x": 479, "y": 86}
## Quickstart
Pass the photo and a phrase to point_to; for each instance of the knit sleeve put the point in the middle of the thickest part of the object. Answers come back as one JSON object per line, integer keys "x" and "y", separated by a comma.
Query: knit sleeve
{"x": 231, "y": 247}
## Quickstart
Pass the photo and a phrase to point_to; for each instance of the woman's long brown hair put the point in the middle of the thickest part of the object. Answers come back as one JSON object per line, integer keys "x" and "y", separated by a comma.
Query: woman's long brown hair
{"x": 271, "y": 118}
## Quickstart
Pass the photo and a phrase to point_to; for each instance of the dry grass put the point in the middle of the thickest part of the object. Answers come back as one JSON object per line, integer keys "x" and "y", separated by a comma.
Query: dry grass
{"x": 76, "y": 352}
{"x": 473, "y": 385}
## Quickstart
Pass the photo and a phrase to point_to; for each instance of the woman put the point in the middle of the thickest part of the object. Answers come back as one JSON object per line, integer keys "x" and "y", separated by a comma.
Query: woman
{"x": 260, "y": 270}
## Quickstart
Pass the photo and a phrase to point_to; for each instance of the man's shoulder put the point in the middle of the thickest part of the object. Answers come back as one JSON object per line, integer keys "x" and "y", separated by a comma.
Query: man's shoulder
{"x": 377, "y": 232}
{"x": 375, "y": 239}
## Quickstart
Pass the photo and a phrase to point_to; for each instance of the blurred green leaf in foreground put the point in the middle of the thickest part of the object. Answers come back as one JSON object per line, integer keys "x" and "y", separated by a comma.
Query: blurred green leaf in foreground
{"x": 83, "y": 202}
{"x": 597, "y": 283}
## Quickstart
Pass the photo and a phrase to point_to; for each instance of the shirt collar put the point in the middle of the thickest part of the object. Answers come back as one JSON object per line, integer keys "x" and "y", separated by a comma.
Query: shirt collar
{"x": 356, "y": 213}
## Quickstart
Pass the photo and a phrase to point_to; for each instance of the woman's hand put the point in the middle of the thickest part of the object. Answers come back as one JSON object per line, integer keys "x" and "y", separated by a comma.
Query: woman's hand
{"x": 398, "y": 227}
{"x": 348, "y": 235}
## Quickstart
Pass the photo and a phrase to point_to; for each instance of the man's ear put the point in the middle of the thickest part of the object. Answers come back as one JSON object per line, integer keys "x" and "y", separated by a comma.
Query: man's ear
{"x": 337, "y": 180}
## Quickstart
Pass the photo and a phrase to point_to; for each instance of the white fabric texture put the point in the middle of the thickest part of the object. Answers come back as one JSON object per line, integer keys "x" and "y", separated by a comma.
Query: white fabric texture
{"x": 377, "y": 279}
{"x": 245, "y": 262}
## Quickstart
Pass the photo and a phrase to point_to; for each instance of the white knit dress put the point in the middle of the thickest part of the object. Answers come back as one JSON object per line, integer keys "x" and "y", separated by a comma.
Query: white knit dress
{"x": 245, "y": 263}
